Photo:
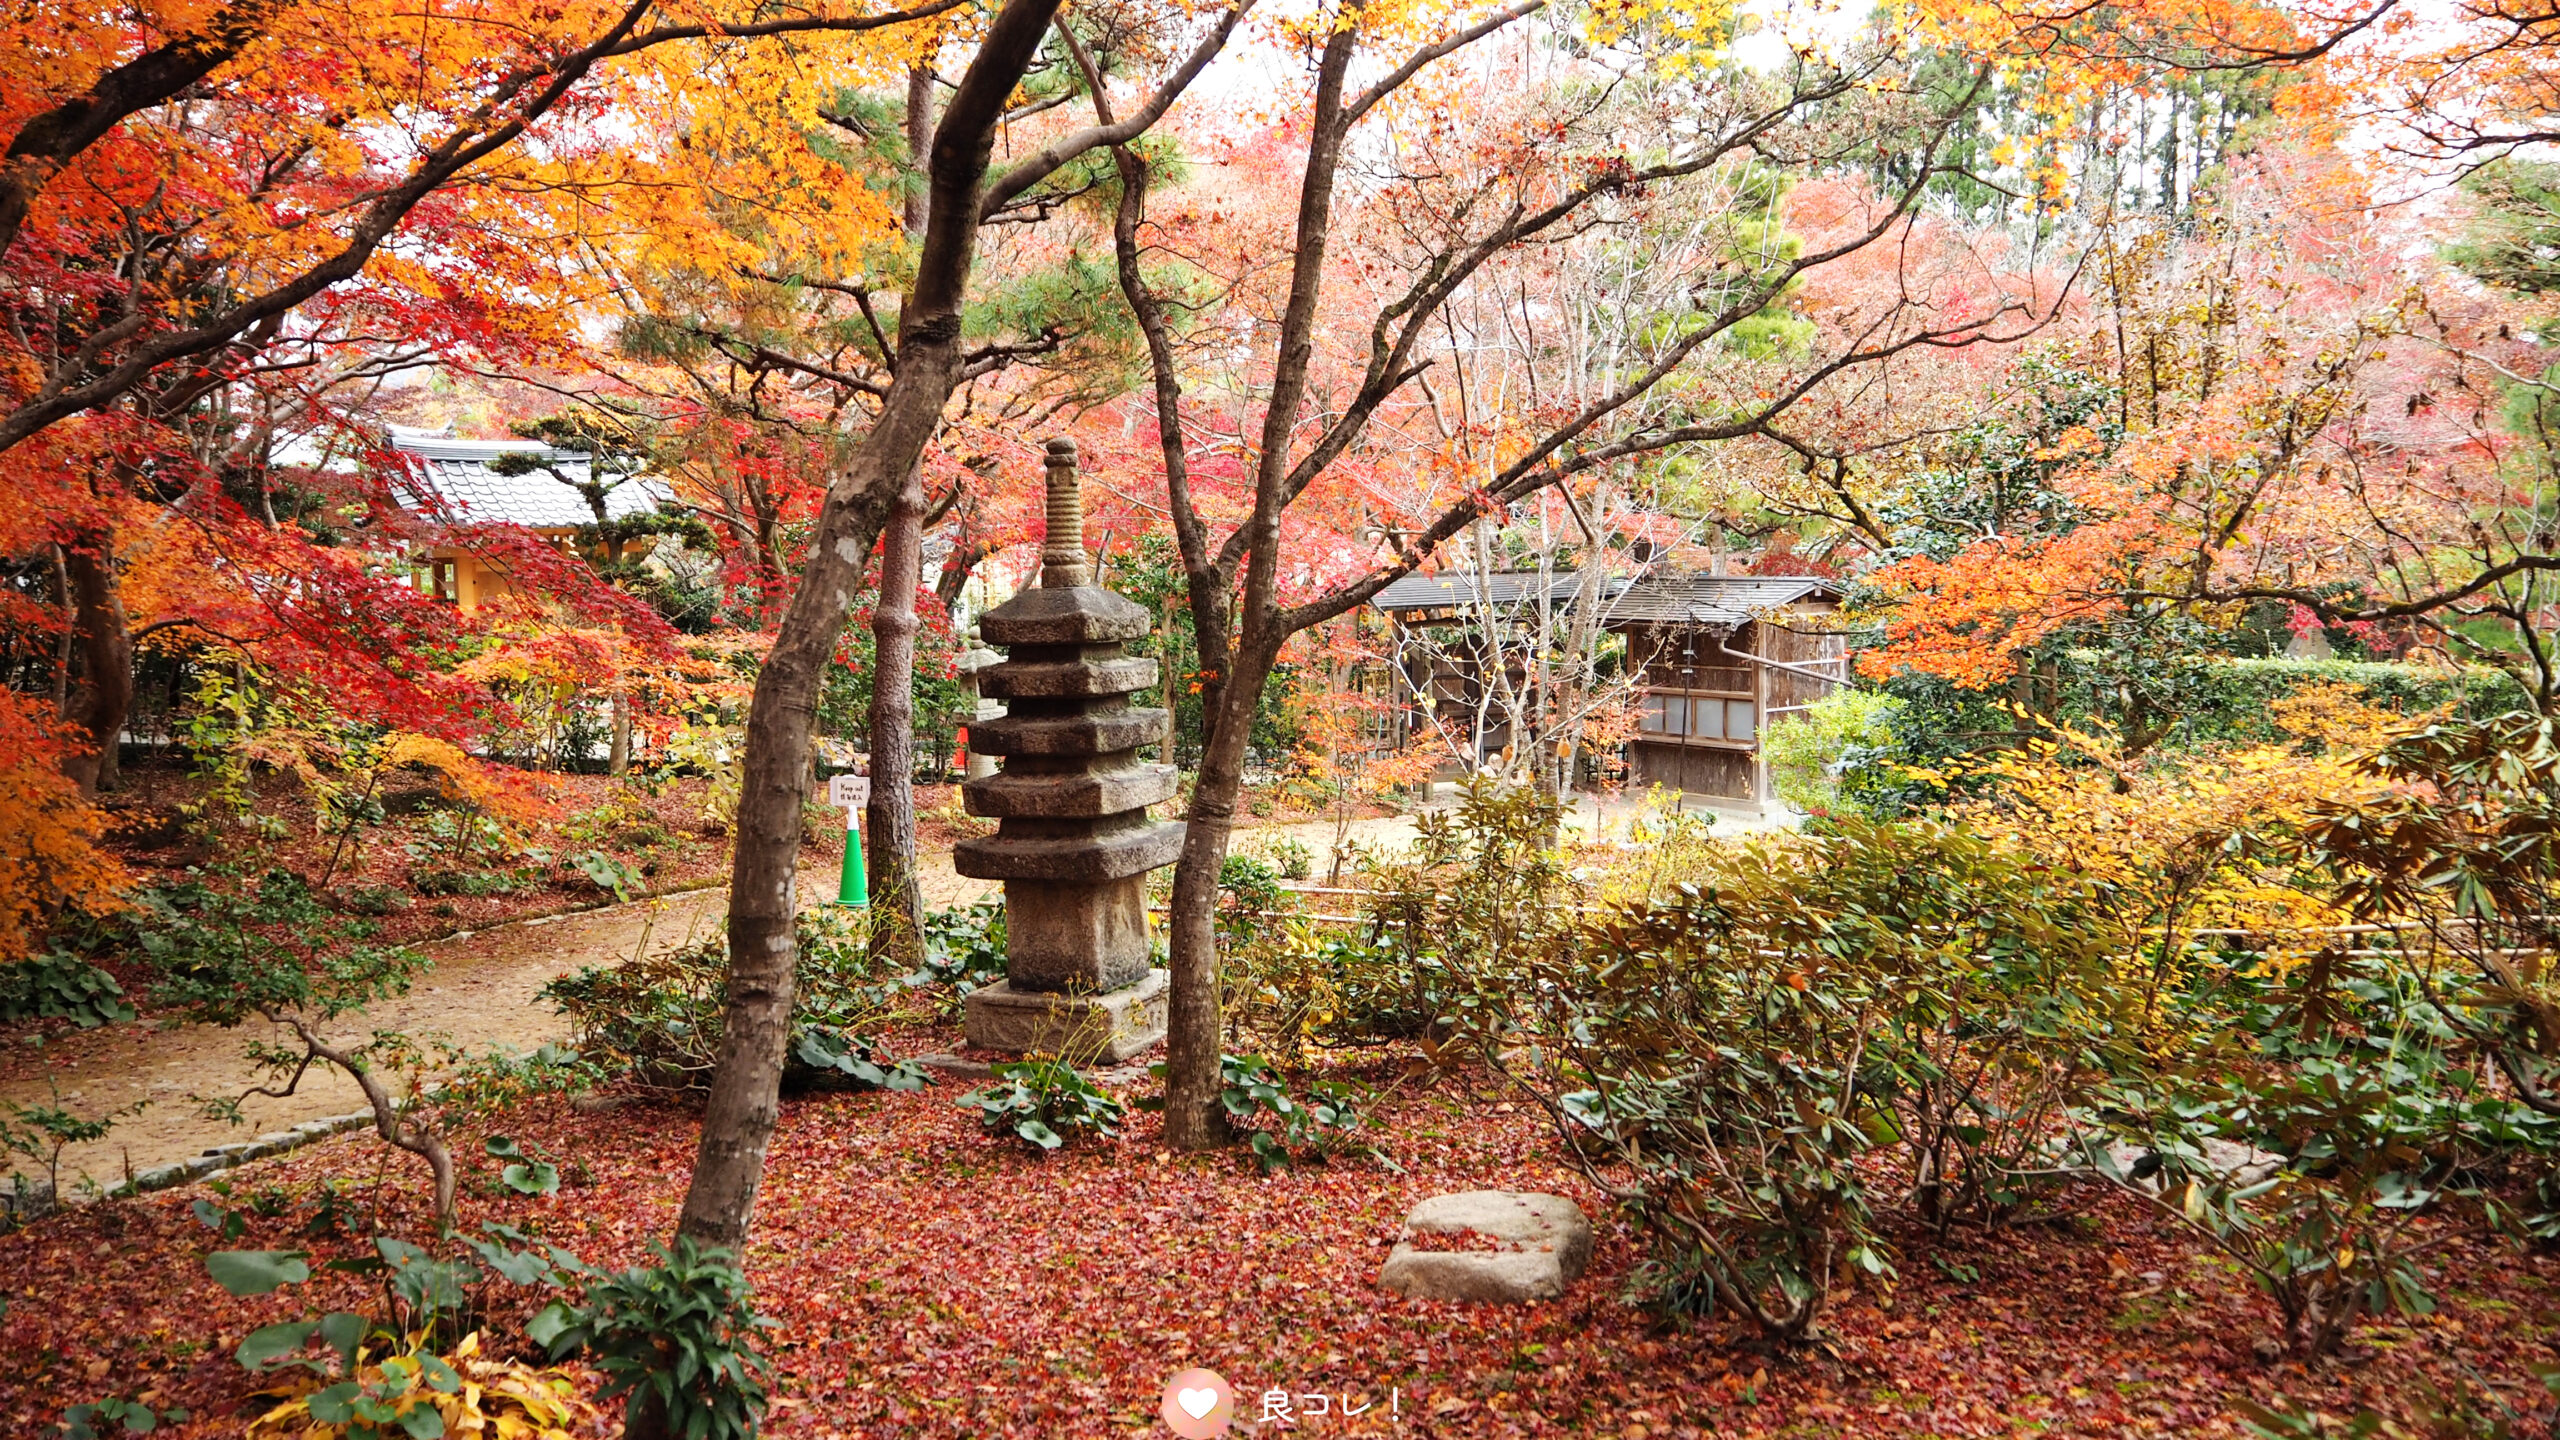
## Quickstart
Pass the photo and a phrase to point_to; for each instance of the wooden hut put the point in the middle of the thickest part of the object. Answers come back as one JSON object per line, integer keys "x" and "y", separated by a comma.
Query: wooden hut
{"x": 1715, "y": 658}
{"x": 454, "y": 482}
{"x": 1450, "y": 629}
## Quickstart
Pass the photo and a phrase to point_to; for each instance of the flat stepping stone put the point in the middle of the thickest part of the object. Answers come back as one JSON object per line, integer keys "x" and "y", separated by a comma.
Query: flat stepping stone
{"x": 2237, "y": 1163}
{"x": 1523, "y": 1246}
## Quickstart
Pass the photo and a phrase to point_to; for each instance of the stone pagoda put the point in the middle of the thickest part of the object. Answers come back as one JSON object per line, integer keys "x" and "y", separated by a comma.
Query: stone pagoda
{"x": 1074, "y": 844}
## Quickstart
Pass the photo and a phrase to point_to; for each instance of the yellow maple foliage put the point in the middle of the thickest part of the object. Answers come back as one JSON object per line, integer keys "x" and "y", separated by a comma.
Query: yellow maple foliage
{"x": 2195, "y": 841}
{"x": 2195, "y": 853}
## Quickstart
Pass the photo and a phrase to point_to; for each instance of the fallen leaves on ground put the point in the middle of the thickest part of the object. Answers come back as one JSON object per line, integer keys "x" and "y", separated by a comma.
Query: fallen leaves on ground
{"x": 931, "y": 1282}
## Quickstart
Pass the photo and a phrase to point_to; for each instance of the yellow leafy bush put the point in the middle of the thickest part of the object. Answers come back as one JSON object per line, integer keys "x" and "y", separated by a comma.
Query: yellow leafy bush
{"x": 470, "y": 1394}
{"x": 2190, "y": 840}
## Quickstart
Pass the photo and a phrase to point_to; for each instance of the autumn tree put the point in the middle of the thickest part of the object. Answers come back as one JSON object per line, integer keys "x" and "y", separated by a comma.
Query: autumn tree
{"x": 2282, "y": 412}
{"x": 963, "y": 191}
{"x": 1359, "y": 319}
{"x": 53, "y": 859}
{"x": 202, "y": 202}
{"x": 180, "y": 185}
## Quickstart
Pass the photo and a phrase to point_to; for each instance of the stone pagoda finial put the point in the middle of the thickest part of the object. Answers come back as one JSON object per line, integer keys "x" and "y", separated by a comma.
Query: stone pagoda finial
{"x": 1062, "y": 557}
{"x": 1073, "y": 843}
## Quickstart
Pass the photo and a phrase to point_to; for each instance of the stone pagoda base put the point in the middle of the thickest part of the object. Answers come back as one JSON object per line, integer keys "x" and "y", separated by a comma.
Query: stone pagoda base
{"x": 1105, "y": 1027}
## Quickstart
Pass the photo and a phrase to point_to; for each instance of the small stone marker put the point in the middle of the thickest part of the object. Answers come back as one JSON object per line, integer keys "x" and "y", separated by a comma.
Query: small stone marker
{"x": 1539, "y": 1245}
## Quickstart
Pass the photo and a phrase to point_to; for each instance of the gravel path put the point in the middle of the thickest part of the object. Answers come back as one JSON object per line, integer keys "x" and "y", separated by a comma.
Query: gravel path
{"x": 483, "y": 992}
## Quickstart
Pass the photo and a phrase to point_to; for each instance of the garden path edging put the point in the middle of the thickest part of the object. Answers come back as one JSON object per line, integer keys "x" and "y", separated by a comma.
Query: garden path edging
{"x": 31, "y": 1199}
{"x": 25, "y": 1198}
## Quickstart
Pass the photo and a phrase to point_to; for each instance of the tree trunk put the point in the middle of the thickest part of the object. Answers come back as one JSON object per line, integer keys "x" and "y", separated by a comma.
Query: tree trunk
{"x": 69, "y": 647}
{"x": 1193, "y": 1118}
{"x": 889, "y": 824}
{"x": 956, "y": 570}
{"x": 397, "y": 1126}
{"x": 104, "y": 696}
{"x": 617, "y": 761}
{"x": 738, "y": 1121}
{"x": 1582, "y": 646}
{"x": 916, "y": 210}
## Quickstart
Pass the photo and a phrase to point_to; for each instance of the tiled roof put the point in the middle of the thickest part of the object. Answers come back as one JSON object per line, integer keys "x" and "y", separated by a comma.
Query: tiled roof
{"x": 451, "y": 480}
{"x": 1453, "y": 589}
{"x": 1683, "y": 598}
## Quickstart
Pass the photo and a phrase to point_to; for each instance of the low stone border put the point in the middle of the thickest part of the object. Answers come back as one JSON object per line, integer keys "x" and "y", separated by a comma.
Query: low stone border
{"x": 29, "y": 1199}
{"x": 25, "y": 1198}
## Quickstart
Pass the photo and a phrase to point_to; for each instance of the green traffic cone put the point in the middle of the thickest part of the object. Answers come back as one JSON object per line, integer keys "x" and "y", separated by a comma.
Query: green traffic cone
{"x": 855, "y": 887}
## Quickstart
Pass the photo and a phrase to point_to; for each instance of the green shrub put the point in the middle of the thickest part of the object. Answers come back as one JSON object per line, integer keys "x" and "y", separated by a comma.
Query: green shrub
{"x": 964, "y": 946}
{"x": 1451, "y": 925}
{"x": 2462, "y": 855}
{"x": 1281, "y": 1128}
{"x": 676, "y": 1337}
{"x": 475, "y": 884}
{"x": 609, "y": 873}
{"x": 525, "y": 1174}
{"x": 101, "y": 1419}
{"x": 1809, "y": 750}
{"x": 1248, "y": 889}
{"x": 58, "y": 985}
{"x": 1291, "y": 857}
{"x": 1331, "y": 986}
{"x": 1735, "y": 1060}
{"x": 832, "y": 1057}
{"x": 2305, "y": 1146}
{"x": 1720, "y": 1083}
{"x": 660, "y": 1017}
{"x": 2231, "y": 698}
{"x": 1743, "y": 1050}
{"x": 465, "y": 842}
{"x": 623, "y": 823}
{"x": 1044, "y": 1102}
{"x": 228, "y": 949}
{"x": 374, "y": 900}
{"x": 1479, "y": 898}
{"x": 40, "y": 1133}
{"x": 672, "y": 1336}
{"x": 496, "y": 1080}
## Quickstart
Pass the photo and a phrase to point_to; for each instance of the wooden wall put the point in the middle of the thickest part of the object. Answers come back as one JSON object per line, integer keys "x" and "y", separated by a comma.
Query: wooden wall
{"x": 1827, "y": 653}
{"x": 1723, "y": 774}
{"x": 1705, "y": 765}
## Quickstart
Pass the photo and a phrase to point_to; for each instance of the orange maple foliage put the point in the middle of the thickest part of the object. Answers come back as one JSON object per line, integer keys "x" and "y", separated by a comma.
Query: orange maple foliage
{"x": 50, "y": 837}
{"x": 2297, "y": 401}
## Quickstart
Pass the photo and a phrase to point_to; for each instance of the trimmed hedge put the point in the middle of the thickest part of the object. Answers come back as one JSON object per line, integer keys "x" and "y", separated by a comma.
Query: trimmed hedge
{"x": 2214, "y": 699}
{"x": 2228, "y": 698}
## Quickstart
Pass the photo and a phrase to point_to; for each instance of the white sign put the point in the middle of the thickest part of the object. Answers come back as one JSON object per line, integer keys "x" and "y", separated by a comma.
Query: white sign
{"x": 848, "y": 792}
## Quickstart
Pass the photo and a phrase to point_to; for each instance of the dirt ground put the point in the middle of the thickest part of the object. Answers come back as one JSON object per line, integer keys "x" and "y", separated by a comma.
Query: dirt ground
{"x": 483, "y": 993}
